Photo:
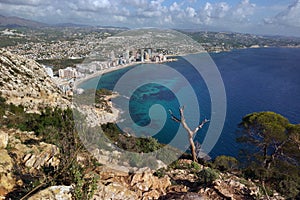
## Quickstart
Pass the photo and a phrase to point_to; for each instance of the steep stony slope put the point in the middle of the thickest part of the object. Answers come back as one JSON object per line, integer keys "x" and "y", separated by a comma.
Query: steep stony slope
{"x": 18, "y": 159}
{"x": 24, "y": 82}
{"x": 29, "y": 159}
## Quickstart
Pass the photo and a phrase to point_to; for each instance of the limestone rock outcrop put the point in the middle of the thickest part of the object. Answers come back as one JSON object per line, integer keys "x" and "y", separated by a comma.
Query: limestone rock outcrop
{"x": 24, "y": 82}
{"x": 114, "y": 191}
{"x": 3, "y": 139}
{"x": 54, "y": 193}
{"x": 24, "y": 152}
{"x": 144, "y": 181}
{"x": 7, "y": 180}
{"x": 142, "y": 184}
{"x": 30, "y": 152}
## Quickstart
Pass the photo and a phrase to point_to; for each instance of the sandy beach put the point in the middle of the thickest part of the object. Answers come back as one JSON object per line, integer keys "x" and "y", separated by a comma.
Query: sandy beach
{"x": 111, "y": 69}
{"x": 104, "y": 71}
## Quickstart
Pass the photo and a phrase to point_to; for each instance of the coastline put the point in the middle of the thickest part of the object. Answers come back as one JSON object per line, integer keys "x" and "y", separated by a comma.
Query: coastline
{"x": 103, "y": 71}
{"x": 103, "y": 117}
{"x": 79, "y": 81}
{"x": 111, "y": 69}
{"x": 237, "y": 111}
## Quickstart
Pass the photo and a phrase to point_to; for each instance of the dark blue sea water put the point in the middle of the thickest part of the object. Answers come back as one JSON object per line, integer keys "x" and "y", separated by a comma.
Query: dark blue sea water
{"x": 266, "y": 79}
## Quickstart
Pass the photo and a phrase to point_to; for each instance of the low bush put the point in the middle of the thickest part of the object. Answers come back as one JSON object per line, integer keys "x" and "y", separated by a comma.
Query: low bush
{"x": 226, "y": 163}
{"x": 208, "y": 176}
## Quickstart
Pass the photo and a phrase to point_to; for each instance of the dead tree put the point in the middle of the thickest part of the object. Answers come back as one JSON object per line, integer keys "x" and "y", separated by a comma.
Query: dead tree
{"x": 191, "y": 133}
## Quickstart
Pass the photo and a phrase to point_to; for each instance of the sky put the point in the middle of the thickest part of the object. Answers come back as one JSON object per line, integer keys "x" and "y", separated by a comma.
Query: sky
{"x": 267, "y": 17}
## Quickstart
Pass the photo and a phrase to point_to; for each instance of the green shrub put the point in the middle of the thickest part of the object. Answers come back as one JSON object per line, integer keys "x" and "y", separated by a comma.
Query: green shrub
{"x": 208, "y": 176}
{"x": 288, "y": 187}
{"x": 175, "y": 165}
{"x": 53, "y": 126}
{"x": 84, "y": 188}
{"x": 160, "y": 172}
{"x": 195, "y": 166}
{"x": 226, "y": 163}
{"x": 133, "y": 144}
{"x": 103, "y": 92}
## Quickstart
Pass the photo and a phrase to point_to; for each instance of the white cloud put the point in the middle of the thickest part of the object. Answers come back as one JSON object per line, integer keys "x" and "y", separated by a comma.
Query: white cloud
{"x": 244, "y": 9}
{"x": 135, "y": 3}
{"x": 168, "y": 19}
{"x": 191, "y": 12}
{"x": 150, "y": 13}
{"x": 221, "y": 13}
{"x": 134, "y": 11}
{"x": 175, "y": 7}
{"x": 125, "y": 11}
{"x": 25, "y": 2}
{"x": 120, "y": 18}
{"x": 154, "y": 9}
{"x": 139, "y": 13}
{"x": 290, "y": 16}
{"x": 221, "y": 10}
{"x": 93, "y": 5}
{"x": 206, "y": 13}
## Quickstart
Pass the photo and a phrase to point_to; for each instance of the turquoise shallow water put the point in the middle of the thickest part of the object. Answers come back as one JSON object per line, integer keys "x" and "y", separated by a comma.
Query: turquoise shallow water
{"x": 254, "y": 79}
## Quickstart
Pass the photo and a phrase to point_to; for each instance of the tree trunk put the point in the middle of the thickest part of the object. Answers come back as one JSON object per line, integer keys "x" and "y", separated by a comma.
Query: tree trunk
{"x": 193, "y": 149}
{"x": 188, "y": 130}
{"x": 265, "y": 156}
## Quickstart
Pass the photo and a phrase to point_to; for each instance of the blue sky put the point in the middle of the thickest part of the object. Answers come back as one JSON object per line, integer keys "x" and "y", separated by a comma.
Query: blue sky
{"x": 271, "y": 17}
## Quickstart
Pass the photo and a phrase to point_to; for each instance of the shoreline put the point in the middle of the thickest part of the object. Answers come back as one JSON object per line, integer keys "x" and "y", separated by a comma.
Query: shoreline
{"x": 111, "y": 69}
{"x": 103, "y": 71}
{"x": 79, "y": 81}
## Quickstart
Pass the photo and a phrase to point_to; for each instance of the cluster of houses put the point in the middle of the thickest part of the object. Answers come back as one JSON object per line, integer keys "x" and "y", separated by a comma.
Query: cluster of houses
{"x": 67, "y": 76}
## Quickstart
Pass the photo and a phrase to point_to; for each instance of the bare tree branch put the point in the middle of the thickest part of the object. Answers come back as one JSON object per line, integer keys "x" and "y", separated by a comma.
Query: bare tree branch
{"x": 183, "y": 122}
{"x": 200, "y": 126}
{"x": 173, "y": 117}
{"x": 187, "y": 128}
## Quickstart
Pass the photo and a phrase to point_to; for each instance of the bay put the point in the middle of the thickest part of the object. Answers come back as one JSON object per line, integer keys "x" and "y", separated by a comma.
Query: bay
{"x": 265, "y": 79}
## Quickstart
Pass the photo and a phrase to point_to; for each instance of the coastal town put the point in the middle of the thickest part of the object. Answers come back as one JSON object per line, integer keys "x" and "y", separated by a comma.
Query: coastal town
{"x": 69, "y": 133}
{"x": 66, "y": 77}
{"x": 82, "y": 53}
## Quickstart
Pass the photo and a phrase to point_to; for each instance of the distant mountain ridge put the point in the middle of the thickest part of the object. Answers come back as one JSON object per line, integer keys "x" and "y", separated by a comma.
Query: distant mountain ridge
{"x": 19, "y": 22}
{"x": 13, "y": 22}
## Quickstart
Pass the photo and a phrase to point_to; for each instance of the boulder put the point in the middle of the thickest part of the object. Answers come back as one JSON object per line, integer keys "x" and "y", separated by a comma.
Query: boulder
{"x": 152, "y": 194}
{"x": 3, "y": 139}
{"x": 114, "y": 191}
{"x": 7, "y": 180}
{"x": 144, "y": 180}
{"x": 54, "y": 193}
{"x": 48, "y": 156}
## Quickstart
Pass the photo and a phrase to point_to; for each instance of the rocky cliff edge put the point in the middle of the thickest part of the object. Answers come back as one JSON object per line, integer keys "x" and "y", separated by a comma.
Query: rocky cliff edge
{"x": 24, "y": 82}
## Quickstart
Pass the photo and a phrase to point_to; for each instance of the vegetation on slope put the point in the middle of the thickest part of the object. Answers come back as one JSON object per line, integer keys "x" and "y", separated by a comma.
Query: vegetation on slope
{"x": 55, "y": 127}
{"x": 273, "y": 152}
{"x": 273, "y": 159}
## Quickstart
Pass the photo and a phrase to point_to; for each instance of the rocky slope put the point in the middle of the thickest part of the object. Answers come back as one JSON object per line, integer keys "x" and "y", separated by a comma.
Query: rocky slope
{"x": 24, "y": 82}
{"x": 29, "y": 160}
{"x": 18, "y": 154}
{"x": 24, "y": 153}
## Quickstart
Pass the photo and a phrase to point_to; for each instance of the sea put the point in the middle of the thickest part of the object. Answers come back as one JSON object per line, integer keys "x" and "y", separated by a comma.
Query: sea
{"x": 255, "y": 80}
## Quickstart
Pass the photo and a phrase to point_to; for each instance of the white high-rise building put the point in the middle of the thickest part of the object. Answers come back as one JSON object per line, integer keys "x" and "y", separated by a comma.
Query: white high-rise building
{"x": 142, "y": 55}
